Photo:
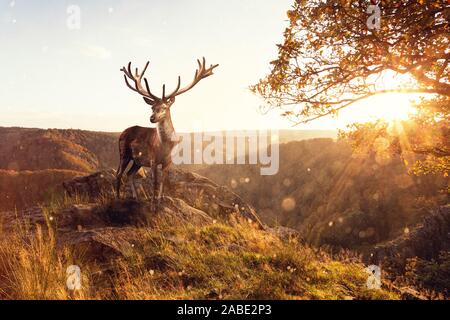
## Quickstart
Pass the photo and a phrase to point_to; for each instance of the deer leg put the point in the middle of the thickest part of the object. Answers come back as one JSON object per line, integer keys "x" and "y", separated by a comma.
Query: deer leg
{"x": 161, "y": 185}
{"x": 155, "y": 182}
{"x": 131, "y": 174}
{"x": 144, "y": 176}
{"x": 122, "y": 166}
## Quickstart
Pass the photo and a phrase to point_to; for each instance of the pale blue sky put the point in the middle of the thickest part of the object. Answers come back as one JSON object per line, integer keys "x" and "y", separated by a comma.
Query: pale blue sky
{"x": 56, "y": 77}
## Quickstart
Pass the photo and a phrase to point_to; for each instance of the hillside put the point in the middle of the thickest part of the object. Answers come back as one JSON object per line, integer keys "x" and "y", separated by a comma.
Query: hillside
{"x": 39, "y": 149}
{"x": 322, "y": 193}
{"x": 81, "y": 150}
{"x": 333, "y": 197}
{"x": 34, "y": 162}
{"x": 286, "y": 136}
{"x": 322, "y": 190}
{"x": 193, "y": 248}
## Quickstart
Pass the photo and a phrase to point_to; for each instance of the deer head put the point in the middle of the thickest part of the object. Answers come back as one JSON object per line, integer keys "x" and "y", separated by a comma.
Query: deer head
{"x": 161, "y": 105}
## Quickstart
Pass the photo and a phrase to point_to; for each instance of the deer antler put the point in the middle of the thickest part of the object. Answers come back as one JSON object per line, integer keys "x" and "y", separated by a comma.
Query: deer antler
{"x": 201, "y": 73}
{"x": 137, "y": 79}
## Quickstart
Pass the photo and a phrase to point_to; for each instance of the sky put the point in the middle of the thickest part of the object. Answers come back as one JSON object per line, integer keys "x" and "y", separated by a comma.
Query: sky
{"x": 56, "y": 75}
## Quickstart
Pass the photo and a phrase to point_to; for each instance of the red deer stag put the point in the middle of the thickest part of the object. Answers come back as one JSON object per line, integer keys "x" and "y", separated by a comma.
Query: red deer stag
{"x": 150, "y": 147}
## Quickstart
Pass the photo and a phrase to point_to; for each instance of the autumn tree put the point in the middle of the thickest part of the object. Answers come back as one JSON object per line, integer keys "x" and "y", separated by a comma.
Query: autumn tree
{"x": 333, "y": 55}
{"x": 331, "y": 58}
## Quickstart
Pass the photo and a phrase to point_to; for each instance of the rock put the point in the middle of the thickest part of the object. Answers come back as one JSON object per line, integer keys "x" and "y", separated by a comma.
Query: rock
{"x": 102, "y": 244}
{"x": 425, "y": 241}
{"x": 114, "y": 213}
{"x": 105, "y": 231}
{"x": 94, "y": 185}
{"x": 174, "y": 208}
{"x": 194, "y": 190}
{"x": 407, "y": 293}
{"x": 127, "y": 212}
{"x": 30, "y": 216}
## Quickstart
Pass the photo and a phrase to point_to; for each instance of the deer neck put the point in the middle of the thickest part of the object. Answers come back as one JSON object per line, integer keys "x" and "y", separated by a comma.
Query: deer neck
{"x": 166, "y": 132}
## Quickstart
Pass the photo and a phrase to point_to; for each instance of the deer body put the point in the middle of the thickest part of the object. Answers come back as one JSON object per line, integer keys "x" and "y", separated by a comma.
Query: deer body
{"x": 151, "y": 147}
{"x": 146, "y": 147}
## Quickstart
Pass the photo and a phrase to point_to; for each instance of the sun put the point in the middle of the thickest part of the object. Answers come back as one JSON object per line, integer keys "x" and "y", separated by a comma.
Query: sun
{"x": 390, "y": 107}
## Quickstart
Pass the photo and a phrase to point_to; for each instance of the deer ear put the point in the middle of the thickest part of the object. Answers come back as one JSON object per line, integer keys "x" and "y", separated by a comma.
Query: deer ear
{"x": 149, "y": 101}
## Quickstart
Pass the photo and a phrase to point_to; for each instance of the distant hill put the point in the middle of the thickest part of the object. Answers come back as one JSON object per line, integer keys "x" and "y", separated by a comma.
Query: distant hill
{"x": 332, "y": 196}
{"x": 81, "y": 150}
{"x": 32, "y": 160}
{"x": 39, "y": 149}
{"x": 298, "y": 135}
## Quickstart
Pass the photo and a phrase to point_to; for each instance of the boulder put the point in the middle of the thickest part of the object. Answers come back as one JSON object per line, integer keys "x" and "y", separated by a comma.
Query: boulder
{"x": 192, "y": 189}
{"x": 425, "y": 241}
{"x": 93, "y": 185}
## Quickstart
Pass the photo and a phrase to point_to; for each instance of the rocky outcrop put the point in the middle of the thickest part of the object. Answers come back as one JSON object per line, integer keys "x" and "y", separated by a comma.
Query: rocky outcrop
{"x": 93, "y": 186}
{"x": 192, "y": 189}
{"x": 425, "y": 241}
{"x": 103, "y": 231}
{"x": 104, "y": 227}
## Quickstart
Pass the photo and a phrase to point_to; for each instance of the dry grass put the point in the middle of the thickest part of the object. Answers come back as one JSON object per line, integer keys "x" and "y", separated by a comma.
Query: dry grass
{"x": 180, "y": 261}
{"x": 32, "y": 268}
